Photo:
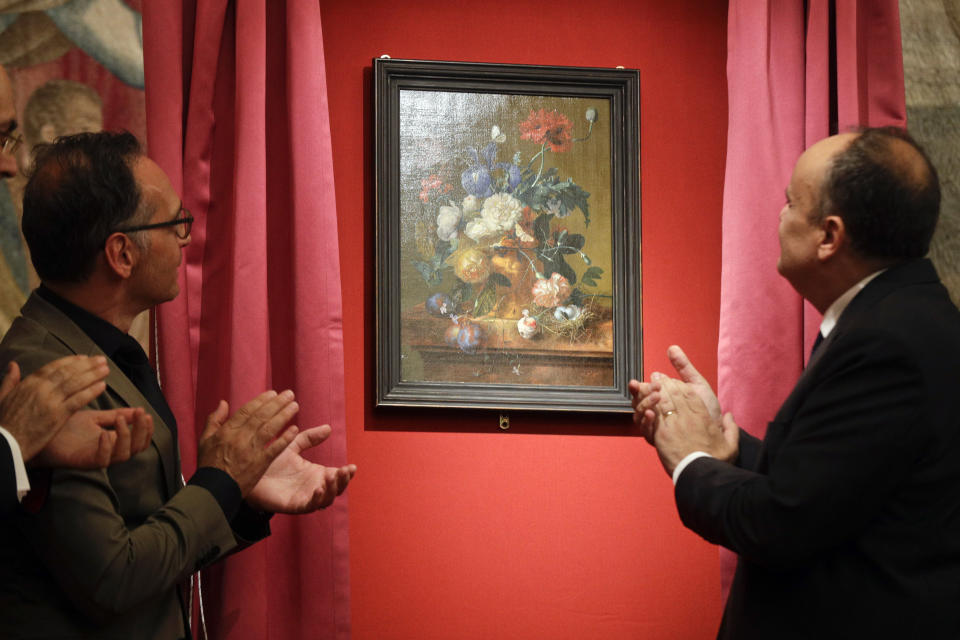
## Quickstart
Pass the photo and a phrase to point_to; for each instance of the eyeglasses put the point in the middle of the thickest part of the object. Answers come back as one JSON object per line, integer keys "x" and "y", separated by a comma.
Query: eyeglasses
{"x": 10, "y": 141}
{"x": 181, "y": 225}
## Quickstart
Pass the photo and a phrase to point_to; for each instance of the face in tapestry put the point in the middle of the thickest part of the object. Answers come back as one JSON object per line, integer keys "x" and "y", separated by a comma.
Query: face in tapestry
{"x": 8, "y": 123}
{"x": 800, "y": 232}
{"x": 58, "y": 108}
{"x": 154, "y": 279}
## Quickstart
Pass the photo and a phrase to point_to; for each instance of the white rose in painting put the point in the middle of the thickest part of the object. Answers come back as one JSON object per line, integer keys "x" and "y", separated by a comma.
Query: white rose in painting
{"x": 501, "y": 211}
{"x": 446, "y": 233}
{"x": 447, "y": 221}
{"x": 477, "y": 229}
{"x": 471, "y": 204}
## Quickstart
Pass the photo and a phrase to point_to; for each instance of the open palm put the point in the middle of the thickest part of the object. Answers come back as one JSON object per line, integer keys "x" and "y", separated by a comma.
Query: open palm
{"x": 292, "y": 484}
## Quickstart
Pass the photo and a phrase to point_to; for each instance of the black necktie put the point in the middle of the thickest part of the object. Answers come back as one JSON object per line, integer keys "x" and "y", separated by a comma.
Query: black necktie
{"x": 134, "y": 364}
{"x": 816, "y": 344}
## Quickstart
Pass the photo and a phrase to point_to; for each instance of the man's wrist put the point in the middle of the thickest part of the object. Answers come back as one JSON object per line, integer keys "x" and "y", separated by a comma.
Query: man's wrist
{"x": 690, "y": 457}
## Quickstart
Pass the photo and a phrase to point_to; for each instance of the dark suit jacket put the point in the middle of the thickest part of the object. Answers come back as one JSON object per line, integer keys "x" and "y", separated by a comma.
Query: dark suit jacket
{"x": 847, "y": 519}
{"x": 104, "y": 555}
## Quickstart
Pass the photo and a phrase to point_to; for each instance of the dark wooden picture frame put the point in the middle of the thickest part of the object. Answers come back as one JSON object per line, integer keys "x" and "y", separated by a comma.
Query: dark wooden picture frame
{"x": 508, "y": 236}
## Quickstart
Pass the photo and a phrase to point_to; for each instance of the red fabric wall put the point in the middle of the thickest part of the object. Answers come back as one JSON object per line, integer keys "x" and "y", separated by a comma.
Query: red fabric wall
{"x": 564, "y": 526}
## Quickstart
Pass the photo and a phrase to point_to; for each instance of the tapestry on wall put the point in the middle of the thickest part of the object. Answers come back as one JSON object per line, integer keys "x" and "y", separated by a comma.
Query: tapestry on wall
{"x": 76, "y": 66}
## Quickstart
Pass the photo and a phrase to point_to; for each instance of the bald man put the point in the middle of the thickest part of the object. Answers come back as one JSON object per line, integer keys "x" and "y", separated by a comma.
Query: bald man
{"x": 846, "y": 517}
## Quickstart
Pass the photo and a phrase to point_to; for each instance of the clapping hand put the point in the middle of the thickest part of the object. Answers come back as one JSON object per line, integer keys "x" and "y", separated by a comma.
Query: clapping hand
{"x": 293, "y": 484}
{"x": 687, "y": 425}
{"x": 681, "y": 416}
{"x": 245, "y": 444}
{"x": 95, "y": 439}
{"x": 35, "y": 408}
{"x": 646, "y": 395}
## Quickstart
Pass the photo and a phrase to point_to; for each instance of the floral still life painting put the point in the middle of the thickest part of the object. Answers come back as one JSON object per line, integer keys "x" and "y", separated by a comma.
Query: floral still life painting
{"x": 506, "y": 242}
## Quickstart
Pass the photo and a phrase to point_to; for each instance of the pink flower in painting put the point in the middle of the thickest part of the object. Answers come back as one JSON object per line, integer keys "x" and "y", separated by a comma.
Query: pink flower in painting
{"x": 430, "y": 184}
{"x": 550, "y": 292}
{"x": 552, "y": 128}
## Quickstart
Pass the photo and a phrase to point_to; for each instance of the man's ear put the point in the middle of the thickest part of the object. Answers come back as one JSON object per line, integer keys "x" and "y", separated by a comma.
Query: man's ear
{"x": 121, "y": 254}
{"x": 834, "y": 237}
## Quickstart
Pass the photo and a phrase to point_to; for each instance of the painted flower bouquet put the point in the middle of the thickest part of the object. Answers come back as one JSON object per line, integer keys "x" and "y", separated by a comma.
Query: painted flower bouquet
{"x": 498, "y": 247}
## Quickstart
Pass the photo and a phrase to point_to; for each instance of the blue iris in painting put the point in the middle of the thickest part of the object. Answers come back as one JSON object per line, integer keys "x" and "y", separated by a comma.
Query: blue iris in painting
{"x": 476, "y": 180}
{"x": 485, "y": 173}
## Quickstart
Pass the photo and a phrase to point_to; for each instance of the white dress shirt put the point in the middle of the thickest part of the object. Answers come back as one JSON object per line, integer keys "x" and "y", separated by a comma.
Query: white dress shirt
{"x": 20, "y": 470}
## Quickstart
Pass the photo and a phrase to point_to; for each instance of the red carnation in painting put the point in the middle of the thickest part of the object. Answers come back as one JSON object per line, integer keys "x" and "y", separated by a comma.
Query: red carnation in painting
{"x": 552, "y": 128}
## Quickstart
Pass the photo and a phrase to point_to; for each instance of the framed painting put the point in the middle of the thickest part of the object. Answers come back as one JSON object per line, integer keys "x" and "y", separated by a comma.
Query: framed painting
{"x": 508, "y": 236}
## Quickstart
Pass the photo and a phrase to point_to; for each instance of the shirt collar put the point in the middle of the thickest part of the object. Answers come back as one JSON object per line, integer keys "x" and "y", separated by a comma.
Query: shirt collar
{"x": 110, "y": 339}
{"x": 840, "y": 304}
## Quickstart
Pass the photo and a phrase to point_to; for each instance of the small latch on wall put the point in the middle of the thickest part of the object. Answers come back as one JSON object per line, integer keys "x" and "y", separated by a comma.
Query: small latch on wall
{"x": 504, "y": 421}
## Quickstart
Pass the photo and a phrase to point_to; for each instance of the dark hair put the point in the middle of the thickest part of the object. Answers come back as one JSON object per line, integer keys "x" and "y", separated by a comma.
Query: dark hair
{"x": 887, "y": 194}
{"x": 81, "y": 188}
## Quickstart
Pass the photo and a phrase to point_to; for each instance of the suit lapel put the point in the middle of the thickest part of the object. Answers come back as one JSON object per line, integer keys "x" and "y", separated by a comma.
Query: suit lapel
{"x": 911, "y": 273}
{"x": 64, "y": 330}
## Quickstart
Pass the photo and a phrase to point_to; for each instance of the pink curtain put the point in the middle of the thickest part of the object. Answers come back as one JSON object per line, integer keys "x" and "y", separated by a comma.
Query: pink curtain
{"x": 797, "y": 72}
{"x": 237, "y": 116}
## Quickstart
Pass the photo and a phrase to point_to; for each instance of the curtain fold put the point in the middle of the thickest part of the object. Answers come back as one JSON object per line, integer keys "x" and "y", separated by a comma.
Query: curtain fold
{"x": 796, "y": 72}
{"x": 237, "y": 115}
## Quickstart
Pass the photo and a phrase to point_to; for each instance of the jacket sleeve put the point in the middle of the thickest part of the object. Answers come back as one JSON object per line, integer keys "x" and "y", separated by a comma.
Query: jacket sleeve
{"x": 106, "y": 565}
{"x": 112, "y": 538}
{"x": 749, "y": 455}
{"x": 857, "y": 431}
{"x": 8, "y": 480}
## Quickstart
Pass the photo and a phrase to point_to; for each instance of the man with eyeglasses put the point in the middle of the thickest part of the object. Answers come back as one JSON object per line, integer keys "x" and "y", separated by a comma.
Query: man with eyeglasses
{"x": 39, "y": 419}
{"x": 105, "y": 555}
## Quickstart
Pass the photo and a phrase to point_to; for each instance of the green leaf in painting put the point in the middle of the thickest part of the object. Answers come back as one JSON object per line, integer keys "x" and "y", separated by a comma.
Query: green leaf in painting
{"x": 486, "y": 300}
{"x": 566, "y": 270}
{"x": 541, "y": 228}
{"x": 593, "y": 272}
{"x": 572, "y": 196}
{"x": 461, "y": 291}
{"x": 590, "y": 276}
{"x": 553, "y": 262}
{"x": 431, "y": 275}
{"x": 571, "y": 243}
{"x": 498, "y": 279}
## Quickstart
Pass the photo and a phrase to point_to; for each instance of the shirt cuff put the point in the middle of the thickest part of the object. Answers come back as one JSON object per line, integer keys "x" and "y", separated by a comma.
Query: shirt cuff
{"x": 690, "y": 457}
{"x": 251, "y": 524}
{"x": 247, "y": 523}
{"x": 20, "y": 471}
{"x": 224, "y": 489}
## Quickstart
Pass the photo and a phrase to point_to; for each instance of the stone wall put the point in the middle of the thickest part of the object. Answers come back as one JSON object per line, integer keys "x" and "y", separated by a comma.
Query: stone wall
{"x": 931, "y": 67}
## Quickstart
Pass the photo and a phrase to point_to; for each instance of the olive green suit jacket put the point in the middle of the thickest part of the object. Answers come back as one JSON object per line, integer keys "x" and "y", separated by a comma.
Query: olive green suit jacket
{"x": 105, "y": 555}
